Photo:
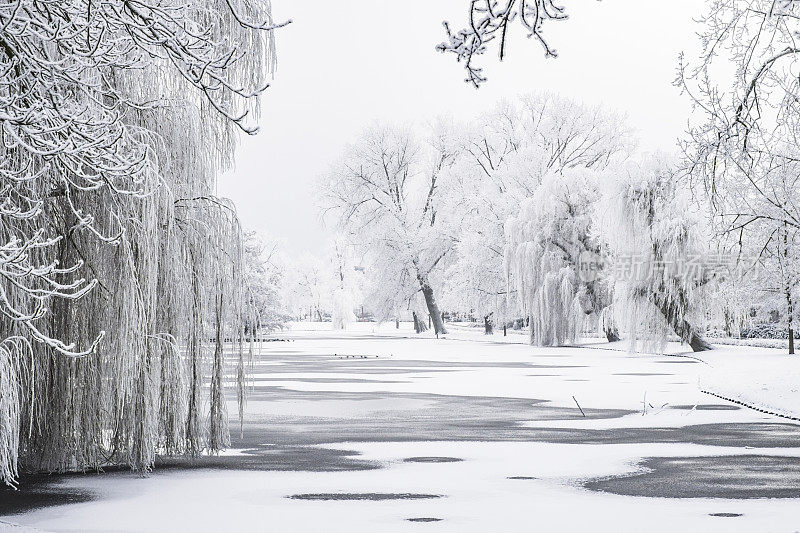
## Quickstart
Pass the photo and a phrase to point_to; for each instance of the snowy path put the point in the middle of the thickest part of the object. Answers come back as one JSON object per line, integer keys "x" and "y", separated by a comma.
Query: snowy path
{"x": 385, "y": 431}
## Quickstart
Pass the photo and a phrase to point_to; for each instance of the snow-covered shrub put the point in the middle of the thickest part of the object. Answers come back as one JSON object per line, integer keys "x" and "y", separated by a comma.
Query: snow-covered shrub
{"x": 765, "y": 330}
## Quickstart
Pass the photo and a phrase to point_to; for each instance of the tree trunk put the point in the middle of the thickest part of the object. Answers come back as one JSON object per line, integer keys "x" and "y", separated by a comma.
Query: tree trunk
{"x": 433, "y": 307}
{"x": 790, "y": 318}
{"x": 488, "y": 327}
{"x": 611, "y": 330}
{"x": 505, "y": 330}
{"x": 612, "y": 334}
{"x": 728, "y": 327}
{"x": 789, "y": 304}
{"x": 609, "y": 325}
{"x": 682, "y": 328}
{"x": 419, "y": 324}
{"x": 218, "y": 437}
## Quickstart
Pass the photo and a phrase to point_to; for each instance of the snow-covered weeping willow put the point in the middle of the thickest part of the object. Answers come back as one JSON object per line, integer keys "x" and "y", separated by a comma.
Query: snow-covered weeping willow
{"x": 544, "y": 243}
{"x": 648, "y": 222}
{"x": 117, "y": 261}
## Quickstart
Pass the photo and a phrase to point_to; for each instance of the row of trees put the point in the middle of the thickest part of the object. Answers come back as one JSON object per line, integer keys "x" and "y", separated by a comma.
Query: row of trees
{"x": 493, "y": 217}
{"x": 741, "y": 153}
{"x": 323, "y": 286}
{"x": 498, "y": 216}
{"x": 117, "y": 260}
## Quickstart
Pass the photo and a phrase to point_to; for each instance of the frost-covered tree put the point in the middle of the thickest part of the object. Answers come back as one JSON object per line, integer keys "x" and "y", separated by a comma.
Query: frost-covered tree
{"x": 504, "y": 157}
{"x": 390, "y": 289}
{"x": 385, "y": 194}
{"x": 344, "y": 290}
{"x": 264, "y": 274}
{"x": 773, "y": 277}
{"x": 743, "y": 151}
{"x": 545, "y": 243}
{"x": 116, "y": 119}
{"x": 308, "y": 287}
{"x": 656, "y": 240}
{"x": 473, "y": 283}
{"x": 493, "y": 20}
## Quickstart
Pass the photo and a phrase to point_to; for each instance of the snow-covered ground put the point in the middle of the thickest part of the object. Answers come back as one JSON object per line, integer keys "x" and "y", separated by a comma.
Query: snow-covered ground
{"x": 762, "y": 378}
{"x": 367, "y": 429}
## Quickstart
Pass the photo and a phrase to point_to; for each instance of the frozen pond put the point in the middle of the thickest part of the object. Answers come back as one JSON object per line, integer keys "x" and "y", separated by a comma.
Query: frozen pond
{"x": 382, "y": 430}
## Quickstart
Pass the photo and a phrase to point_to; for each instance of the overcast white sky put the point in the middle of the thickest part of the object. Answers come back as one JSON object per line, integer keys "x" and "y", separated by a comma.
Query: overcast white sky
{"x": 343, "y": 65}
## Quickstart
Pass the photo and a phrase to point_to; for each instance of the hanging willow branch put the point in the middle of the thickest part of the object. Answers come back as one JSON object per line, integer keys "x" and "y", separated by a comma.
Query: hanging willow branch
{"x": 109, "y": 113}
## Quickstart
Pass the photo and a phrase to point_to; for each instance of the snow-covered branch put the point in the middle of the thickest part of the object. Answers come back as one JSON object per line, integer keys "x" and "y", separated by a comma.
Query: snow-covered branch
{"x": 492, "y": 20}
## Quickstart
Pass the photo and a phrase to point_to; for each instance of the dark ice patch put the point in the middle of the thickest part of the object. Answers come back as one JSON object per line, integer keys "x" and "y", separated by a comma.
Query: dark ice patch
{"x": 327, "y": 380}
{"x": 364, "y": 496}
{"x": 401, "y": 417}
{"x": 275, "y": 458}
{"x": 641, "y": 374}
{"x": 729, "y": 477}
{"x": 706, "y": 407}
{"x": 558, "y": 366}
{"x": 433, "y": 460}
{"x": 36, "y": 492}
{"x": 736, "y": 435}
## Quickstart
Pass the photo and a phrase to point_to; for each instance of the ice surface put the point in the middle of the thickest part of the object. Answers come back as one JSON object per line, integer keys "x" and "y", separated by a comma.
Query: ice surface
{"x": 641, "y": 406}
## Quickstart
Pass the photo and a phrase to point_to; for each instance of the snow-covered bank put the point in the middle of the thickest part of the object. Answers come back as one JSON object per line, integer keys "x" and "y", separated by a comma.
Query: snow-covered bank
{"x": 755, "y": 373}
{"x": 757, "y": 378}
